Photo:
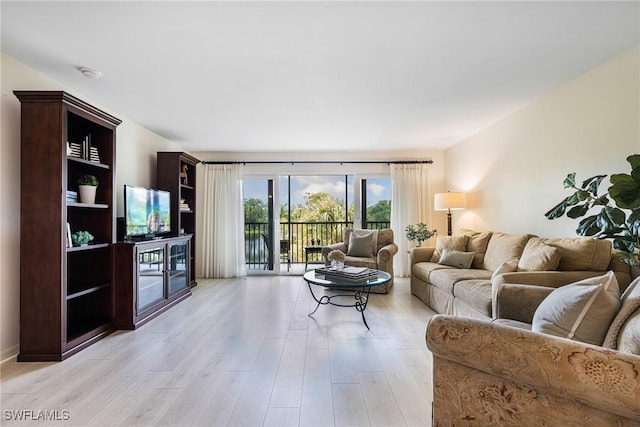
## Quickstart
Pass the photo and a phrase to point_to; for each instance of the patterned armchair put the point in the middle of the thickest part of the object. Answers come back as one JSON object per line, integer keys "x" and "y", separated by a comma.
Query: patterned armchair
{"x": 492, "y": 373}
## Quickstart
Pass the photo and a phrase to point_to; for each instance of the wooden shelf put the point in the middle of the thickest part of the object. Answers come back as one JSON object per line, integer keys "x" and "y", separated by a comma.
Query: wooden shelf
{"x": 87, "y": 205}
{"x": 87, "y": 291}
{"x": 88, "y": 162}
{"x": 88, "y": 247}
{"x": 51, "y": 327}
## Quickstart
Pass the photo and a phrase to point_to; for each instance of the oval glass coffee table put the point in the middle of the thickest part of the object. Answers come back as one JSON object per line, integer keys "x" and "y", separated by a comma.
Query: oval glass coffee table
{"x": 358, "y": 291}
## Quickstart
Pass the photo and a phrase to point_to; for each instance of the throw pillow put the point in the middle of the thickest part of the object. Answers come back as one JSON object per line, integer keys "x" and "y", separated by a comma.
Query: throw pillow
{"x": 630, "y": 302}
{"x": 477, "y": 243}
{"x": 581, "y": 311}
{"x": 361, "y": 246}
{"x": 360, "y": 232}
{"x": 506, "y": 267}
{"x": 458, "y": 243}
{"x": 538, "y": 256}
{"x": 455, "y": 258}
{"x": 503, "y": 247}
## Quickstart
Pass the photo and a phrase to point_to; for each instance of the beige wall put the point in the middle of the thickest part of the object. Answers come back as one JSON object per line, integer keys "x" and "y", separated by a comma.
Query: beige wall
{"x": 136, "y": 149}
{"x": 513, "y": 170}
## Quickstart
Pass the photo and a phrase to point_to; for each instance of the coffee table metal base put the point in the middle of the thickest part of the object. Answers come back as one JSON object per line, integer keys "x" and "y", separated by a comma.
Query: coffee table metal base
{"x": 361, "y": 297}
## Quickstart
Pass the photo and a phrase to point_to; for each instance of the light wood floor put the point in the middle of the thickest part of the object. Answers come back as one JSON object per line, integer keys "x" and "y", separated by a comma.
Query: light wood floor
{"x": 243, "y": 352}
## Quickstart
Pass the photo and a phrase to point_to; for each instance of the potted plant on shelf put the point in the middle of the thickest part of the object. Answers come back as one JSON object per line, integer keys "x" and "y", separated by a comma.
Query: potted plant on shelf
{"x": 419, "y": 232}
{"x": 81, "y": 238}
{"x": 87, "y": 185}
{"x": 619, "y": 216}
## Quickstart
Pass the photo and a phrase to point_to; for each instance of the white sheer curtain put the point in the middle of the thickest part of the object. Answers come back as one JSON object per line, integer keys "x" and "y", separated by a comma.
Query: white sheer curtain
{"x": 223, "y": 230}
{"x": 410, "y": 204}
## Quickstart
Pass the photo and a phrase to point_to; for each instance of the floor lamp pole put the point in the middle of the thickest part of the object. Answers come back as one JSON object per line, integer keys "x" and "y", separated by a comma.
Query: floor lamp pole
{"x": 448, "y": 222}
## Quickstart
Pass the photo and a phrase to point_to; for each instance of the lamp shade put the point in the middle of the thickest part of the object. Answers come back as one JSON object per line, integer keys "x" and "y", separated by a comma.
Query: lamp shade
{"x": 448, "y": 201}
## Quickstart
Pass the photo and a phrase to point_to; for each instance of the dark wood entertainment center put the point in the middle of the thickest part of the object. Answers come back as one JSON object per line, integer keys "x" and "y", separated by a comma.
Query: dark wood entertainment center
{"x": 152, "y": 276}
{"x": 72, "y": 296}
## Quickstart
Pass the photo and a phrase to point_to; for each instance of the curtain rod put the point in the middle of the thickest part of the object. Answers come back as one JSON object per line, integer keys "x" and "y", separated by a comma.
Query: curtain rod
{"x": 338, "y": 162}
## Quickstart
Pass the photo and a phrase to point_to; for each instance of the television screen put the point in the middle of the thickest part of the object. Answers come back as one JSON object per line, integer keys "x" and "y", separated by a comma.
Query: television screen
{"x": 147, "y": 211}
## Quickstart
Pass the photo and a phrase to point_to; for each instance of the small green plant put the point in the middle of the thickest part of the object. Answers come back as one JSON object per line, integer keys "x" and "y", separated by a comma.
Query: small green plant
{"x": 81, "y": 238}
{"x": 419, "y": 232}
{"x": 88, "y": 180}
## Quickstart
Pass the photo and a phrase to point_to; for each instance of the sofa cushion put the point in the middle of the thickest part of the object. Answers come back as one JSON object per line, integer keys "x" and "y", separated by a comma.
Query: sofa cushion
{"x": 458, "y": 243}
{"x": 581, "y": 311}
{"x": 582, "y": 253}
{"x": 629, "y": 338}
{"x": 506, "y": 267}
{"x": 538, "y": 256}
{"x": 630, "y": 303}
{"x": 455, "y": 258}
{"x": 477, "y": 243}
{"x": 422, "y": 270}
{"x": 503, "y": 247}
{"x": 446, "y": 279}
{"x": 475, "y": 293}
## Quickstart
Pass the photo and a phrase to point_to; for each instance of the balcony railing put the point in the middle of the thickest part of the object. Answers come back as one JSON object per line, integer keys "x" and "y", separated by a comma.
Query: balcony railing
{"x": 293, "y": 239}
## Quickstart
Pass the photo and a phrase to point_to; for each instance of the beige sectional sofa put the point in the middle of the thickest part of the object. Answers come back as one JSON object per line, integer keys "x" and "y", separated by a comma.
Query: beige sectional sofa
{"x": 504, "y": 258}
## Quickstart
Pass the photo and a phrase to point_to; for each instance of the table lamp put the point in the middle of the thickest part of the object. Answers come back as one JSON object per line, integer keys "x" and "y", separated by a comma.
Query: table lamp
{"x": 447, "y": 202}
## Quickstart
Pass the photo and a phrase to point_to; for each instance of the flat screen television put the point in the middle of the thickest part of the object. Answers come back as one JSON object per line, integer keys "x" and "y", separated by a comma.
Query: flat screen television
{"x": 147, "y": 212}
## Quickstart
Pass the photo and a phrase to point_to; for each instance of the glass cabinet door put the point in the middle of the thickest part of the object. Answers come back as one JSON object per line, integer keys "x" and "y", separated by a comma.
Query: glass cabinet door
{"x": 177, "y": 266}
{"x": 151, "y": 277}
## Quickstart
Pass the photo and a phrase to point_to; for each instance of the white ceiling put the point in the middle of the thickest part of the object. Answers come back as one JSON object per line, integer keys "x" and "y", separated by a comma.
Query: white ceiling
{"x": 298, "y": 76}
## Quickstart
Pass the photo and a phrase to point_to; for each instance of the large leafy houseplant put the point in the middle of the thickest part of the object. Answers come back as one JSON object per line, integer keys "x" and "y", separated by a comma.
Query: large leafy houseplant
{"x": 619, "y": 215}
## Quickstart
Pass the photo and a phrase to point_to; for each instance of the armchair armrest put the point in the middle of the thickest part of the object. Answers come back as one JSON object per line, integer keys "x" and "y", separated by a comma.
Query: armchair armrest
{"x": 600, "y": 378}
{"x": 518, "y": 302}
{"x": 386, "y": 253}
{"x": 417, "y": 255}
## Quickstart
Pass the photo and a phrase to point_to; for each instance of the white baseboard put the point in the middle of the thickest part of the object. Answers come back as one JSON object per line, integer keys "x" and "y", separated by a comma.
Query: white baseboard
{"x": 9, "y": 354}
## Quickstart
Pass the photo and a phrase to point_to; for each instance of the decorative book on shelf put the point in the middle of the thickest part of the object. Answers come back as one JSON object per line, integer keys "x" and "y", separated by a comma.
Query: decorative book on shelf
{"x": 84, "y": 150}
{"x": 72, "y": 196}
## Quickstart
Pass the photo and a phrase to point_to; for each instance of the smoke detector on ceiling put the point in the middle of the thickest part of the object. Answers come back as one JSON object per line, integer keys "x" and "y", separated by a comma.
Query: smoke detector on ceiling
{"x": 90, "y": 73}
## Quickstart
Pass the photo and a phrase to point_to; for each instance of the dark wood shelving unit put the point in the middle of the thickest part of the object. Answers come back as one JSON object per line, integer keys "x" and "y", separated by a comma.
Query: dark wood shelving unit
{"x": 170, "y": 177}
{"x": 66, "y": 293}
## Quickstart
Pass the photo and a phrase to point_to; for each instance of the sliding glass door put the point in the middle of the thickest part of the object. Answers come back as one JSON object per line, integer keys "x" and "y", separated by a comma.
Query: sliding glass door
{"x": 259, "y": 223}
{"x": 286, "y": 216}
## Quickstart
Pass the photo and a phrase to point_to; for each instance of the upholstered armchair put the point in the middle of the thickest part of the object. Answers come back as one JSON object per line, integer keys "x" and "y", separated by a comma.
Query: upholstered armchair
{"x": 500, "y": 373}
{"x": 378, "y": 254}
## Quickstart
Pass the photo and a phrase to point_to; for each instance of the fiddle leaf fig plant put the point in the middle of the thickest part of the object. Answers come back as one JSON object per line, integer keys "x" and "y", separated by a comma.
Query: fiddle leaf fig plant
{"x": 618, "y": 217}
